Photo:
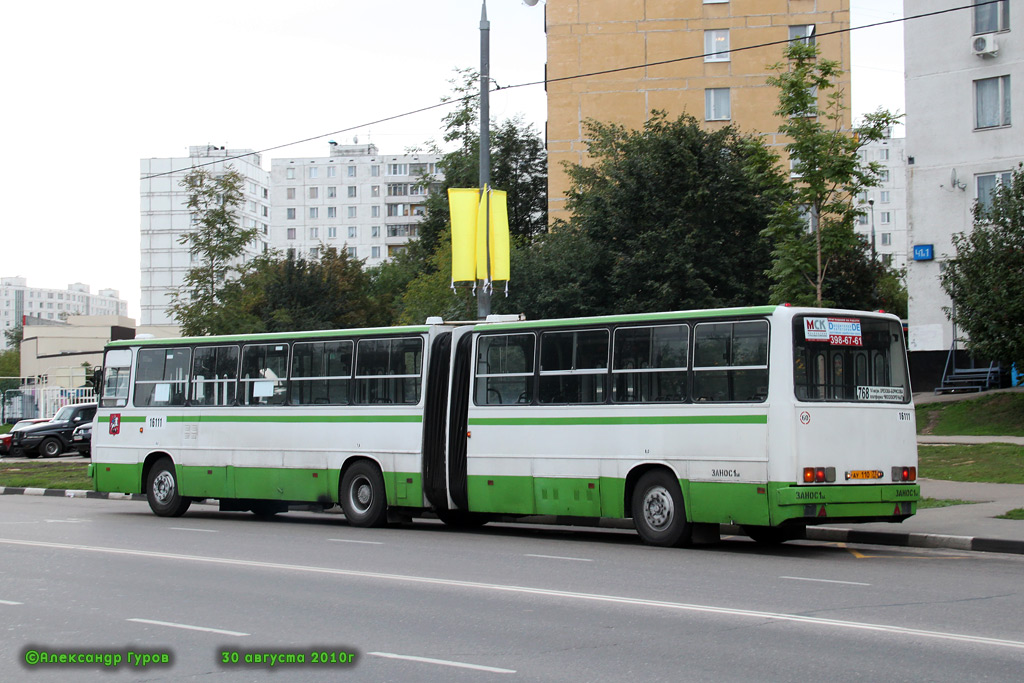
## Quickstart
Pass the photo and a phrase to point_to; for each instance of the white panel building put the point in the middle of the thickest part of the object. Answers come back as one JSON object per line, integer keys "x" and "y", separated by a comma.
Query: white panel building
{"x": 960, "y": 143}
{"x": 885, "y": 206}
{"x": 355, "y": 199}
{"x": 165, "y": 218}
{"x": 18, "y": 300}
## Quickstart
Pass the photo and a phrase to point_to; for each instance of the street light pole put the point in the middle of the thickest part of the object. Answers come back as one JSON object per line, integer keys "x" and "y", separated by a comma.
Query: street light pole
{"x": 483, "y": 299}
{"x": 871, "y": 207}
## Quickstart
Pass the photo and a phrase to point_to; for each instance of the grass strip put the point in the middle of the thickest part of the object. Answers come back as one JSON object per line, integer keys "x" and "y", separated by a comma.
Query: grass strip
{"x": 993, "y": 415}
{"x": 992, "y": 462}
{"x": 1016, "y": 513}
{"x": 926, "y": 503}
{"x": 46, "y": 475}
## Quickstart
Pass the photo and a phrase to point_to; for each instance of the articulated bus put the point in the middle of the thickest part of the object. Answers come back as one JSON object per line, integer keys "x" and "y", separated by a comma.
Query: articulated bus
{"x": 770, "y": 418}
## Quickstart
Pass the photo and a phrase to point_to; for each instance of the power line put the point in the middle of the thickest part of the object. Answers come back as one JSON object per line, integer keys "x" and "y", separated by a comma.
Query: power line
{"x": 561, "y": 79}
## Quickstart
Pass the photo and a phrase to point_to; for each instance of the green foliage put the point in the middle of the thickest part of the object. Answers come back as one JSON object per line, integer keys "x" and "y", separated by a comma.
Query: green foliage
{"x": 60, "y": 474}
{"x": 429, "y": 292}
{"x": 668, "y": 217}
{"x": 10, "y": 367}
{"x": 14, "y": 335}
{"x": 282, "y": 295}
{"x": 1016, "y": 513}
{"x": 216, "y": 242}
{"x": 995, "y": 462}
{"x": 986, "y": 279}
{"x": 809, "y": 264}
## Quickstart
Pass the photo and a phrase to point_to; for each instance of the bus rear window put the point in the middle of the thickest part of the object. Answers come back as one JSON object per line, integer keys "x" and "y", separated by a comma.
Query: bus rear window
{"x": 838, "y": 358}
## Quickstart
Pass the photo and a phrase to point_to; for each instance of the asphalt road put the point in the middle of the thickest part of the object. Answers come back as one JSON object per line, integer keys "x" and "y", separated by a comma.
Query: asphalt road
{"x": 423, "y": 603}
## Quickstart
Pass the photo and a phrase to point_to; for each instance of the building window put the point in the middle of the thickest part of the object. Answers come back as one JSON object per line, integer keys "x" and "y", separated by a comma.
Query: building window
{"x": 883, "y": 154}
{"x": 716, "y": 45}
{"x": 375, "y": 191}
{"x": 351, "y": 212}
{"x": 332, "y": 192}
{"x": 314, "y": 233}
{"x": 804, "y": 33}
{"x": 352, "y": 191}
{"x": 332, "y": 212}
{"x": 862, "y": 219}
{"x": 398, "y": 189}
{"x": 289, "y": 193}
{"x": 351, "y": 171}
{"x": 885, "y": 217}
{"x": 332, "y": 233}
{"x": 353, "y": 231}
{"x": 887, "y": 260}
{"x": 291, "y": 233}
{"x": 886, "y": 239}
{"x": 332, "y": 171}
{"x": 290, "y": 174}
{"x": 398, "y": 169}
{"x": 987, "y": 185}
{"x": 990, "y": 17}
{"x": 314, "y": 212}
{"x": 352, "y": 252}
{"x": 992, "y": 102}
{"x": 291, "y": 214}
{"x": 314, "y": 193}
{"x": 883, "y": 175}
{"x": 716, "y": 104}
{"x": 290, "y": 253}
{"x": 374, "y": 252}
{"x": 314, "y": 252}
{"x": 375, "y": 231}
{"x": 314, "y": 172}
{"x": 883, "y": 197}
{"x": 375, "y": 170}
{"x": 374, "y": 212}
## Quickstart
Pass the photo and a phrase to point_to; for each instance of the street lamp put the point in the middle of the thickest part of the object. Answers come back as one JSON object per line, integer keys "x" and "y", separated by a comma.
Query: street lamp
{"x": 871, "y": 207}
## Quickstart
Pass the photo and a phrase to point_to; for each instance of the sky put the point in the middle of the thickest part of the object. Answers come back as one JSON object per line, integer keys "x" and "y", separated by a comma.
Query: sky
{"x": 91, "y": 88}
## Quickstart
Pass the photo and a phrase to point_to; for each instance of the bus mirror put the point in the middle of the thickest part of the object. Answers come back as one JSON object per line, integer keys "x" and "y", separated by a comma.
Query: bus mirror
{"x": 97, "y": 379}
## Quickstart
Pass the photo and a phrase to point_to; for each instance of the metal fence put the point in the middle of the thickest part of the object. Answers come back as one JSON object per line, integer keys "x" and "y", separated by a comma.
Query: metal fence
{"x": 40, "y": 401}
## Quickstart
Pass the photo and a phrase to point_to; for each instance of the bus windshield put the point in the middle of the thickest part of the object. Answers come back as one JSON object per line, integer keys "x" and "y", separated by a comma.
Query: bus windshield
{"x": 849, "y": 359}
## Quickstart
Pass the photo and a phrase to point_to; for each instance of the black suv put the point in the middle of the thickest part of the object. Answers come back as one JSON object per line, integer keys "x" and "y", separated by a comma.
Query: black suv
{"x": 54, "y": 437}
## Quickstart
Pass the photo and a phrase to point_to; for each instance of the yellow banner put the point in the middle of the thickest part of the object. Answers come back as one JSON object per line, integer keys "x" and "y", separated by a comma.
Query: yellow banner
{"x": 463, "y": 204}
{"x": 499, "y": 240}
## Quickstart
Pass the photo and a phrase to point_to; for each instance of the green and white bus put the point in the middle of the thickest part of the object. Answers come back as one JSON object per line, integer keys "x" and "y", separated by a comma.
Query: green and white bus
{"x": 772, "y": 418}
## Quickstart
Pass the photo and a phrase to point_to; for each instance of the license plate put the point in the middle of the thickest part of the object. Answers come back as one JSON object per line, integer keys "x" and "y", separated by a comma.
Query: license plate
{"x": 864, "y": 474}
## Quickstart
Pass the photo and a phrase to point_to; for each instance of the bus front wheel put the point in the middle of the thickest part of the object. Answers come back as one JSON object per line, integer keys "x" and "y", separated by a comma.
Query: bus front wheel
{"x": 658, "y": 511}
{"x": 363, "y": 499}
{"x": 162, "y": 490}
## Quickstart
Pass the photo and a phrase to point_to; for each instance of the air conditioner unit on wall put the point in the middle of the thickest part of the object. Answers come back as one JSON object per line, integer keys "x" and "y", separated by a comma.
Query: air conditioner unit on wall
{"x": 984, "y": 45}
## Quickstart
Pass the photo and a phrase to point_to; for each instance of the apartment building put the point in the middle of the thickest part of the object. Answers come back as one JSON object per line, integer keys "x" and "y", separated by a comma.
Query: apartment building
{"x": 18, "y": 301}
{"x": 960, "y": 145}
{"x": 721, "y": 82}
{"x": 355, "y": 199}
{"x": 165, "y": 218}
{"x": 884, "y": 222}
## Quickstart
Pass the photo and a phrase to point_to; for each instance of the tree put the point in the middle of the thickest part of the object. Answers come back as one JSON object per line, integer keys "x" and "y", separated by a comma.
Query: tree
{"x": 216, "y": 243}
{"x": 827, "y": 173}
{"x": 10, "y": 358}
{"x": 674, "y": 215}
{"x": 986, "y": 279}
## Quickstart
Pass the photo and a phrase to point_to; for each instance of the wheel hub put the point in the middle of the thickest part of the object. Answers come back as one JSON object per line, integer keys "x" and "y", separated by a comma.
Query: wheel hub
{"x": 163, "y": 486}
{"x": 658, "y": 507}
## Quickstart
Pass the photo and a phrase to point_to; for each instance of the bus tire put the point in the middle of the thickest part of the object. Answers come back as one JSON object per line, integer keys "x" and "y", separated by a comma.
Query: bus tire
{"x": 363, "y": 499}
{"x": 659, "y": 514}
{"x": 51, "y": 447}
{"x": 162, "y": 490}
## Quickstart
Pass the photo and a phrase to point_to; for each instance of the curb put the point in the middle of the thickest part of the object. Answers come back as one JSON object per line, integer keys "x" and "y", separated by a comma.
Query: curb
{"x": 829, "y": 534}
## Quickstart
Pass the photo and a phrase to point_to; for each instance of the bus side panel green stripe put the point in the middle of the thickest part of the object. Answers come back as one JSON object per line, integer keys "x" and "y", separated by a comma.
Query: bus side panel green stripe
{"x": 291, "y": 418}
{"x": 124, "y": 418}
{"x": 624, "y": 420}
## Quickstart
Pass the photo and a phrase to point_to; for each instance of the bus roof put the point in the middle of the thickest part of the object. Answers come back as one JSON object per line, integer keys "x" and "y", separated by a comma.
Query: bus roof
{"x": 631, "y": 317}
{"x": 271, "y": 336}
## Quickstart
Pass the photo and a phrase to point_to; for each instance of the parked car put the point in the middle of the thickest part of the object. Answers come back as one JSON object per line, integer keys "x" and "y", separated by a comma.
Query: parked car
{"x": 5, "y": 439}
{"x": 54, "y": 437}
{"x": 81, "y": 439}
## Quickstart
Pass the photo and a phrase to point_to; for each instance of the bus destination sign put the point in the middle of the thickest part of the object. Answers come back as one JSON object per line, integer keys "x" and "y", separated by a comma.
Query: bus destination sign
{"x": 836, "y": 331}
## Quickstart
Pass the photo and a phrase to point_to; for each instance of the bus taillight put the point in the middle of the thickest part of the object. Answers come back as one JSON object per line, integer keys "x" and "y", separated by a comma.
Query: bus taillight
{"x": 819, "y": 475}
{"x": 905, "y": 473}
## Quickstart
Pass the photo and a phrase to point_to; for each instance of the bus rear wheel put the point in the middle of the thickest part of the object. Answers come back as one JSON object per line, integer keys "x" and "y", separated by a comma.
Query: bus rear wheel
{"x": 162, "y": 490}
{"x": 363, "y": 499}
{"x": 659, "y": 514}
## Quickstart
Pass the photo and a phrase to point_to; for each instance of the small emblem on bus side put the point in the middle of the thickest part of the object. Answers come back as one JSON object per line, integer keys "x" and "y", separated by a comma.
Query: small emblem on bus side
{"x": 805, "y": 417}
{"x": 115, "y": 424}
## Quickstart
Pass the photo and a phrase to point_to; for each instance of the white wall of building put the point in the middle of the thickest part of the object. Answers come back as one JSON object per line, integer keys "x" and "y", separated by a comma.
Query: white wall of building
{"x": 949, "y": 155}
{"x": 887, "y": 215}
{"x": 355, "y": 199}
{"x": 165, "y": 218}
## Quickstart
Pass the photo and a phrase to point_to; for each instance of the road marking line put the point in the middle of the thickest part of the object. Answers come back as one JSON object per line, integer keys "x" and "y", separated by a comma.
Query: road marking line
{"x": 348, "y": 540}
{"x": 188, "y": 627}
{"x": 443, "y": 662}
{"x": 559, "y": 557}
{"x": 185, "y": 528}
{"x": 541, "y": 592}
{"x": 10, "y": 602}
{"x": 848, "y": 583}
